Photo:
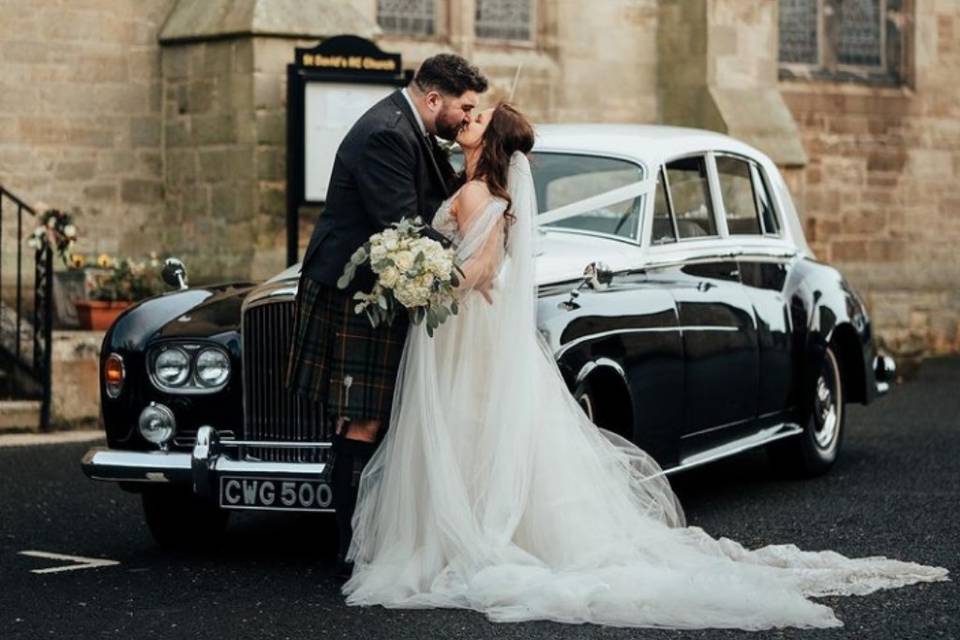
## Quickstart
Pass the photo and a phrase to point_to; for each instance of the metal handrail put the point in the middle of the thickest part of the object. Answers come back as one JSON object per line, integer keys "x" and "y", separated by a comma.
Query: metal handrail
{"x": 27, "y": 377}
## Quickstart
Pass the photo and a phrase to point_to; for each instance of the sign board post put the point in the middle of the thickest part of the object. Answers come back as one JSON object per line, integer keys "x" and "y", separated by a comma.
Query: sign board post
{"x": 328, "y": 88}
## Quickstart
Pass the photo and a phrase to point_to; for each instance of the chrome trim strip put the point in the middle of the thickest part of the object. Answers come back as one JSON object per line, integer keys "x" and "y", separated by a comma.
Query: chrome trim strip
{"x": 226, "y": 465}
{"x": 716, "y": 428}
{"x": 288, "y": 444}
{"x": 772, "y": 434}
{"x": 604, "y": 334}
{"x": 101, "y": 463}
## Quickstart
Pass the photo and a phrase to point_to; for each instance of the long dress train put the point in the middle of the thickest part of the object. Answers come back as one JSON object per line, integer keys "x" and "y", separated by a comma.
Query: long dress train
{"x": 492, "y": 490}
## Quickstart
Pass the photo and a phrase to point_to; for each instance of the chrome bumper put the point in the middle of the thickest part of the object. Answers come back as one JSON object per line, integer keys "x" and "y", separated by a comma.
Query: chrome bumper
{"x": 884, "y": 373}
{"x": 200, "y": 469}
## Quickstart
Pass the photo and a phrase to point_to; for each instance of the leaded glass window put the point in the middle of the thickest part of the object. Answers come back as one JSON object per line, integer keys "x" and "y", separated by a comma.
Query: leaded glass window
{"x": 413, "y": 17}
{"x": 860, "y": 41}
{"x": 854, "y": 40}
{"x": 504, "y": 19}
{"x": 798, "y": 31}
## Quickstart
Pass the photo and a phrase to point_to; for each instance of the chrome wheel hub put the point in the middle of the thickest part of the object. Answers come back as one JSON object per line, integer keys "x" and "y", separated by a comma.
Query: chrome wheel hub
{"x": 826, "y": 408}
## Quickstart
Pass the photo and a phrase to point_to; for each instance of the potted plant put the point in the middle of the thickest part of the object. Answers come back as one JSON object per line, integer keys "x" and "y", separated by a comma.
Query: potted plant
{"x": 122, "y": 283}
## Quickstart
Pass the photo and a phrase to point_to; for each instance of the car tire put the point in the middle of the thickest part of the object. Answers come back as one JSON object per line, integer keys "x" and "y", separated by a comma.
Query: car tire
{"x": 178, "y": 519}
{"x": 814, "y": 451}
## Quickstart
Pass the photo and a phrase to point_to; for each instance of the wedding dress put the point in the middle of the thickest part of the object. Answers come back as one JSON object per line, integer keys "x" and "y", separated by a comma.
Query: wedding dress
{"x": 493, "y": 491}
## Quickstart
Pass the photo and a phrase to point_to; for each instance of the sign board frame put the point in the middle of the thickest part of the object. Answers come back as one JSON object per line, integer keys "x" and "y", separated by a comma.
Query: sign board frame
{"x": 318, "y": 71}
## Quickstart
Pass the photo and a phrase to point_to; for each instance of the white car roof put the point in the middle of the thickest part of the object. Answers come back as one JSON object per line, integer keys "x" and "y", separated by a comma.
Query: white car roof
{"x": 647, "y": 143}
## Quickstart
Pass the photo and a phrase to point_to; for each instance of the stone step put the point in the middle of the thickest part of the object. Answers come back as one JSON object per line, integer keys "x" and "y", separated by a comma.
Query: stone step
{"x": 19, "y": 416}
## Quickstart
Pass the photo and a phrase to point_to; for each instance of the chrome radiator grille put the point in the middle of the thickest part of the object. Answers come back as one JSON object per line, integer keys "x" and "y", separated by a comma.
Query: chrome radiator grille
{"x": 270, "y": 411}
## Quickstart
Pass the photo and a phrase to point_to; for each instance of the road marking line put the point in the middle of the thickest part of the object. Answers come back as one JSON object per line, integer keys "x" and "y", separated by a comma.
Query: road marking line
{"x": 84, "y": 563}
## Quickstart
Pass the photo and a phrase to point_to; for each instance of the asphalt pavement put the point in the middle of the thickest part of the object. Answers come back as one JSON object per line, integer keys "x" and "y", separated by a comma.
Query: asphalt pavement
{"x": 895, "y": 491}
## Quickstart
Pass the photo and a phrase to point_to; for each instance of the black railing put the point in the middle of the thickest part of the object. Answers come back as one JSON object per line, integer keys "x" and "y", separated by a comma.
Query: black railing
{"x": 26, "y": 316}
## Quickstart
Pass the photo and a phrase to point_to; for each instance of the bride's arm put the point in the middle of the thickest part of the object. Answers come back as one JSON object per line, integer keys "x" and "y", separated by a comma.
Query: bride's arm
{"x": 481, "y": 266}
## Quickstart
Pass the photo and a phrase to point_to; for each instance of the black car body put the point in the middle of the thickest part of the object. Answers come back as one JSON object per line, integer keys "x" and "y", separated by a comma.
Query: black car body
{"x": 684, "y": 308}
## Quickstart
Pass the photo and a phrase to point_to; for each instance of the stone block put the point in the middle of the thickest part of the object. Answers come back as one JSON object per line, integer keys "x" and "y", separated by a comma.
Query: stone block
{"x": 75, "y": 377}
{"x": 272, "y": 127}
{"x": 81, "y": 170}
{"x": 214, "y": 164}
{"x": 213, "y": 129}
{"x": 182, "y": 167}
{"x": 848, "y": 251}
{"x": 102, "y": 192}
{"x": 217, "y": 59}
{"x": 195, "y": 200}
{"x": 272, "y": 163}
{"x": 200, "y": 94}
{"x": 175, "y": 61}
{"x": 125, "y": 99}
{"x": 268, "y": 91}
{"x": 135, "y": 191}
{"x": 272, "y": 200}
{"x": 242, "y": 163}
{"x": 223, "y": 200}
{"x": 150, "y": 163}
{"x": 145, "y": 131}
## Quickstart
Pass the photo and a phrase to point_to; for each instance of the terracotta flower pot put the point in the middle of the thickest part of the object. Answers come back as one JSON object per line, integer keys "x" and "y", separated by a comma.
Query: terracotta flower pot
{"x": 98, "y": 315}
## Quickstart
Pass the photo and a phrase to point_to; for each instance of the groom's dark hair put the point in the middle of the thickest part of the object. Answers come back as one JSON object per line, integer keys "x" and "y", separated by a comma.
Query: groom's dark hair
{"x": 450, "y": 74}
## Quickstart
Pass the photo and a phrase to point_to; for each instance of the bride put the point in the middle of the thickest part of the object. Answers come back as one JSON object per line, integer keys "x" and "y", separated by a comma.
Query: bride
{"x": 493, "y": 491}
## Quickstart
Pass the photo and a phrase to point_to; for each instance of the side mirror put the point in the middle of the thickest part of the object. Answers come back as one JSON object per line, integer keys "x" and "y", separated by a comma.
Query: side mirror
{"x": 174, "y": 273}
{"x": 598, "y": 275}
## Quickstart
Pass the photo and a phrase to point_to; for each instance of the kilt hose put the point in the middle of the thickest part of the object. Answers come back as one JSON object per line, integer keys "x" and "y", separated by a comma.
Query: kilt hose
{"x": 338, "y": 359}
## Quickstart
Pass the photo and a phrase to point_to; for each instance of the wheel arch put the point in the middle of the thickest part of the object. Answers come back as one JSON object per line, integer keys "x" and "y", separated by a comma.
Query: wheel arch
{"x": 610, "y": 393}
{"x": 846, "y": 346}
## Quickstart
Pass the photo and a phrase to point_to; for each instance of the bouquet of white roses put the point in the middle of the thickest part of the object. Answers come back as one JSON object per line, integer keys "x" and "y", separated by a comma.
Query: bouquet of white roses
{"x": 413, "y": 271}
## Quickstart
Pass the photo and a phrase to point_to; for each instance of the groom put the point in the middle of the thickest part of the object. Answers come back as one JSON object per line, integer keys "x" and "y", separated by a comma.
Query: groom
{"x": 387, "y": 168}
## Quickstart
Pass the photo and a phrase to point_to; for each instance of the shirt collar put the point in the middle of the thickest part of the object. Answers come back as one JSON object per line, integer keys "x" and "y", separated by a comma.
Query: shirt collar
{"x": 416, "y": 114}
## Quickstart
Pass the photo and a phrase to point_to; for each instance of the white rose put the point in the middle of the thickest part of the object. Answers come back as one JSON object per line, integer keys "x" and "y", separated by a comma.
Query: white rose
{"x": 377, "y": 253}
{"x": 389, "y": 277}
{"x": 403, "y": 260}
{"x": 70, "y": 231}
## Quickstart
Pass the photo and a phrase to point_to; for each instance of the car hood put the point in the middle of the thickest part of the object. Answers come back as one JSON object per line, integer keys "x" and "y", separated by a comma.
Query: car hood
{"x": 562, "y": 256}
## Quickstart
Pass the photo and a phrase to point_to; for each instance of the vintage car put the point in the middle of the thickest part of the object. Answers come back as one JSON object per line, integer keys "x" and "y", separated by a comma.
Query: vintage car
{"x": 676, "y": 290}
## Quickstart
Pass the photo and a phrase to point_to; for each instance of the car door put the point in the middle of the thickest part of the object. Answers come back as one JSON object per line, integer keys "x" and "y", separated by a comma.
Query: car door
{"x": 764, "y": 269}
{"x": 715, "y": 316}
{"x": 621, "y": 339}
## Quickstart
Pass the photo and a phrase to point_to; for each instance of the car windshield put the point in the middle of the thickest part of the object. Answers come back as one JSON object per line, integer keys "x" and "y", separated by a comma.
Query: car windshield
{"x": 564, "y": 178}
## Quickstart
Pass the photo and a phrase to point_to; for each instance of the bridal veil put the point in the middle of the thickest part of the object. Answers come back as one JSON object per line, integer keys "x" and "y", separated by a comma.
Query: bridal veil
{"x": 492, "y": 490}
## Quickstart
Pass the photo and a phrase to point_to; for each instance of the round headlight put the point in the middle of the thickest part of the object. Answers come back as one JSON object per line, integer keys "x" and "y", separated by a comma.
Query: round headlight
{"x": 157, "y": 423}
{"x": 213, "y": 367}
{"x": 172, "y": 367}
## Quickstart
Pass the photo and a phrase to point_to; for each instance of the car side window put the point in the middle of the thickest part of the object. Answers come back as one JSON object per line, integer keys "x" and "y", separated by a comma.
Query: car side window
{"x": 662, "y": 231}
{"x": 739, "y": 199}
{"x": 768, "y": 215}
{"x": 690, "y": 197}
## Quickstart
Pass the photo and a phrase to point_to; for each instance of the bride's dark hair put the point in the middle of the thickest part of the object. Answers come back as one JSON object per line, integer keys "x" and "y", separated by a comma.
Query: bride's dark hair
{"x": 508, "y": 131}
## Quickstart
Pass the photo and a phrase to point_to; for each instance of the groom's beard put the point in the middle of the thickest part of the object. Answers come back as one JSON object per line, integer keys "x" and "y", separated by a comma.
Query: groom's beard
{"x": 447, "y": 127}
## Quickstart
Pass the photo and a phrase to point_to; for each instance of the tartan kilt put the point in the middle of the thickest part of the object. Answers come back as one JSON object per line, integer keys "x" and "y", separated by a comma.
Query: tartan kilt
{"x": 337, "y": 359}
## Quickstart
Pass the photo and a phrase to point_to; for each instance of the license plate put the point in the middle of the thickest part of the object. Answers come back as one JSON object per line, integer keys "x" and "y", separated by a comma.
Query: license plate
{"x": 282, "y": 494}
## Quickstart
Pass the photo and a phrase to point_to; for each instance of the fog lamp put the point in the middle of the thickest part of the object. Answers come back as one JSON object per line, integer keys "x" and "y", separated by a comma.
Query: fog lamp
{"x": 157, "y": 423}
